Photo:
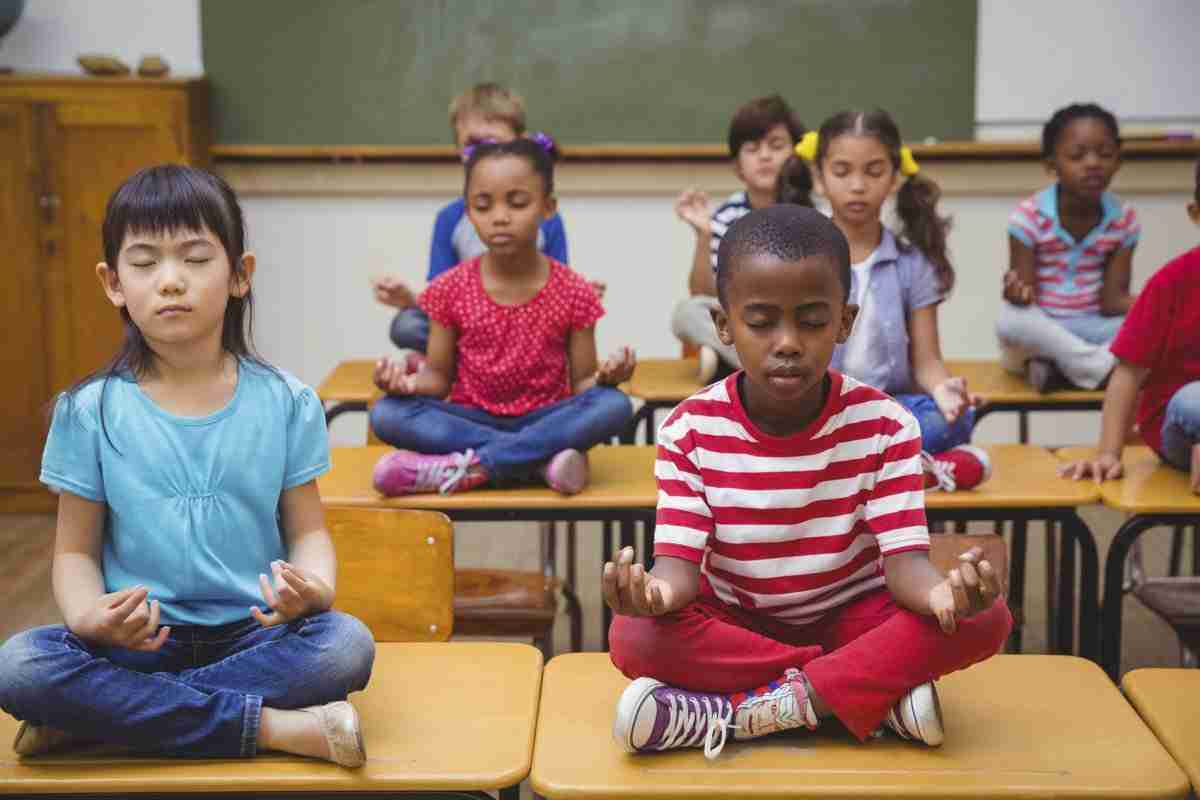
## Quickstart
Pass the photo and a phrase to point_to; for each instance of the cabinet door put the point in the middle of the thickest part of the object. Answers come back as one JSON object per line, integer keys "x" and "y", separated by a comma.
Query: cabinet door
{"x": 23, "y": 351}
{"x": 92, "y": 149}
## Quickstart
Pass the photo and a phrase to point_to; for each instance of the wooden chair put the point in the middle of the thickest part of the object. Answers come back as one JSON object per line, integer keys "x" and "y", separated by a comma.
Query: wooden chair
{"x": 1155, "y": 496}
{"x": 395, "y": 571}
{"x": 1016, "y": 727}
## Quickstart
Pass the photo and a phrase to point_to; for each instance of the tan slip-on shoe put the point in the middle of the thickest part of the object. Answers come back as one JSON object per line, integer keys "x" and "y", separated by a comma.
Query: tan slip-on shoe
{"x": 339, "y": 724}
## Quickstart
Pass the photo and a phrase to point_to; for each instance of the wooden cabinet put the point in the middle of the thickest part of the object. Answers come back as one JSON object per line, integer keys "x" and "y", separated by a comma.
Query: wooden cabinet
{"x": 65, "y": 144}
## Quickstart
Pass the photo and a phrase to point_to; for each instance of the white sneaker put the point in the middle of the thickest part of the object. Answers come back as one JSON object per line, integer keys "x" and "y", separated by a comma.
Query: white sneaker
{"x": 709, "y": 362}
{"x": 918, "y": 715}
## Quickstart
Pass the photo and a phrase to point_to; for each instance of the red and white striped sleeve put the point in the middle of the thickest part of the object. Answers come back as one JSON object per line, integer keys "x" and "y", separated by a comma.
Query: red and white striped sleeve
{"x": 683, "y": 520}
{"x": 895, "y": 509}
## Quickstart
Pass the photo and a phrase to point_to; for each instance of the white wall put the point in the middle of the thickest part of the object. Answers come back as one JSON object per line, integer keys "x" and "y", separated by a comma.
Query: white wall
{"x": 51, "y": 33}
{"x": 1136, "y": 57}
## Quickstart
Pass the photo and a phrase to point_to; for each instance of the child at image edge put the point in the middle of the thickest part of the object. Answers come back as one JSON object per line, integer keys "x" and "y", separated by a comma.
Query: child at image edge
{"x": 1157, "y": 353}
{"x": 791, "y": 580}
{"x": 188, "y": 499}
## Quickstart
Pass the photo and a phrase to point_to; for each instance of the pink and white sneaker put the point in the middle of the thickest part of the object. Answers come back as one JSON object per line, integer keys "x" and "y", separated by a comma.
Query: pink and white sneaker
{"x": 407, "y": 472}
{"x": 567, "y": 472}
{"x": 957, "y": 469}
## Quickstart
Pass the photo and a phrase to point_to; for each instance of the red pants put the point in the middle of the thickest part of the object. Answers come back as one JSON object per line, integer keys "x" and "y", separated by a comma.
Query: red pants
{"x": 860, "y": 659}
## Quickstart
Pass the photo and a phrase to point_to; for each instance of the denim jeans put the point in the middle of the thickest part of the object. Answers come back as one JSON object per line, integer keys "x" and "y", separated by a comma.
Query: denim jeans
{"x": 200, "y": 695}
{"x": 937, "y": 435}
{"x": 510, "y": 448}
{"x": 410, "y": 329}
{"x": 1181, "y": 426}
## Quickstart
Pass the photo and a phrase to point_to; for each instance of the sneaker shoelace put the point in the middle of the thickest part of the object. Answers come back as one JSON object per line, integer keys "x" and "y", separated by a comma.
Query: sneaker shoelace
{"x": 942, "y": 471}
{"x": 684, "y": 727}
{"x": 444, "y": 474}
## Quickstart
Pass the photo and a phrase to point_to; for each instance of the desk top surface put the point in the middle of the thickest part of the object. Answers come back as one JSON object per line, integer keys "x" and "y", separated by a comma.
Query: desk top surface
{"x": 997, "y": 385}
{"x": 435, "y": 716}
{"x": 621, "y": 477}
{"x": 350, "y": 382}
{"x": 1169, "y": 702}
{"x": 1016, "y": 726}
{"x": 1023, "y": 476}
{"x": 1148, "y": 487}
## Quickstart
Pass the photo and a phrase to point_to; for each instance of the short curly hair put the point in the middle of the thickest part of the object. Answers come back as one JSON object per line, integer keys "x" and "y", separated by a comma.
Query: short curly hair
{"x": 787, "y": 232}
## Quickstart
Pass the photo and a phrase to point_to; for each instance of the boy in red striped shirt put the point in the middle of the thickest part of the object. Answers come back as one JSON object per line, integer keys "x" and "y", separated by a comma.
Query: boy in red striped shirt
{"x": 791, "y": 546}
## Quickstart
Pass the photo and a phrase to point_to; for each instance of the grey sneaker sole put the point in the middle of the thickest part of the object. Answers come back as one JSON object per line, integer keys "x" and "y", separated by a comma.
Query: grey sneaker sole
{"x": 632, "y": 699}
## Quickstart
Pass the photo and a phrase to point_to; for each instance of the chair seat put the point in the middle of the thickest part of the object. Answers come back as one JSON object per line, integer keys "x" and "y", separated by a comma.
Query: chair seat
{"x": 1176, "y": 600}
{"x": 503, "y": 596}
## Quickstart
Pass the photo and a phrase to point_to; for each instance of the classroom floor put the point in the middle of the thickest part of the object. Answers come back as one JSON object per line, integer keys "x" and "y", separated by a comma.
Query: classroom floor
{"x": 26, "y": 545}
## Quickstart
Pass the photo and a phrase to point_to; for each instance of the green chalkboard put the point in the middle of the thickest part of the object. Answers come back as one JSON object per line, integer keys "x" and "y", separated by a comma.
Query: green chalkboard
{"x": 380, "y": 72}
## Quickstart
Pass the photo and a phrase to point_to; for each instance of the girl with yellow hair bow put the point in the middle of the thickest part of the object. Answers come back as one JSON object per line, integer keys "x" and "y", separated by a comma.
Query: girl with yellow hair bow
{"x": 857, "y": 160}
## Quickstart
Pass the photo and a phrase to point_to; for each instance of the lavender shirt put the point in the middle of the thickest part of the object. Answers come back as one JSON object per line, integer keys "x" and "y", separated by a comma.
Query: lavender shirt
{"x": 901, "y": 280}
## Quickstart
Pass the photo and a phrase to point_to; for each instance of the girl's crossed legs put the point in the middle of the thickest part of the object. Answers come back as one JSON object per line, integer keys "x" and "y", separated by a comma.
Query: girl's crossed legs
{"x": 200, "y": 695}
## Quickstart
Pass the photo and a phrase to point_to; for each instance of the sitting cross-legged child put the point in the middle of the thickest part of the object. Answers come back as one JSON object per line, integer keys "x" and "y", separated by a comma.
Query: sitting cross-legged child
{"x": 791, "y": 580}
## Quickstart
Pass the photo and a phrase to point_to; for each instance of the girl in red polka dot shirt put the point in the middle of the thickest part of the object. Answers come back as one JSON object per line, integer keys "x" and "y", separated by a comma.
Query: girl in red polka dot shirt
{"x": 511, "y": 389}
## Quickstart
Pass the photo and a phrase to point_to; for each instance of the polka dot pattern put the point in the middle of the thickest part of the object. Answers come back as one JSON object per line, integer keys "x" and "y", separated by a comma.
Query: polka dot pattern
{"x": 511, "y": 359}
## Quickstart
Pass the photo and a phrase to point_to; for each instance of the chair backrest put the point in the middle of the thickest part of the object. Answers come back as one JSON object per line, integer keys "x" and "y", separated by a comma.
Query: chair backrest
{"x": 945, "y": 548}
{"x": 395, "y": 571}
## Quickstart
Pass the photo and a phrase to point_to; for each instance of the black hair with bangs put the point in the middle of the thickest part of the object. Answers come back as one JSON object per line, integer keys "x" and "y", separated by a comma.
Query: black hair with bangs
{"x": 165, "y": 199}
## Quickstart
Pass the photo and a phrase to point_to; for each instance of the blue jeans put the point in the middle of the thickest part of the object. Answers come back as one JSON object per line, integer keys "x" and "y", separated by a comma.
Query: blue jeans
{"x": 937, "y": 435}
{"x": 510, "y": 448}
{"x": 1181, "y": 426}
{"x": 410, "y": 329}
{"x": 200, "y": 695}
{"x": 1092, "y": 328}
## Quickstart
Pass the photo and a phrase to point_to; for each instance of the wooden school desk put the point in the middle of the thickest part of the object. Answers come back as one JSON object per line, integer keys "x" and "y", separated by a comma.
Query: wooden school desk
{"x": 1016, "y": 727}
{"x": 1169, "y": 702}
{"x": 621, "y": 490}
{"x": 349, "y": 387}
{"x": 1025, "y": 487}
{"x": 661, "y": 383}
{"x": 438, "y": 716}
{"x": 1153, "y": 494}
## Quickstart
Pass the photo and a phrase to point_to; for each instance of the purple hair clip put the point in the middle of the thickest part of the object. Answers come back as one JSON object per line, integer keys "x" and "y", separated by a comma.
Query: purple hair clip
{"x": 470, "y": 148}
{"x": 546, "y": 141}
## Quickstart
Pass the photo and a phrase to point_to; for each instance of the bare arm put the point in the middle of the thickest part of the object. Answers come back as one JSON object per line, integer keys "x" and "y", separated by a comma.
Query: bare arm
{"x": 75, "y": 573}
{"x": 304, "y": 584}
{"x": 701, "y": 279}
{"x": 1115, "y": 299}
{"x": 929, "y": 370}
{"x": 435, "y": 379}
{"x": 1119, "y": 400}
{"x": 581, "y": 359}
{"x": 1022, "y": 275}
{"x": 910, "y": 578}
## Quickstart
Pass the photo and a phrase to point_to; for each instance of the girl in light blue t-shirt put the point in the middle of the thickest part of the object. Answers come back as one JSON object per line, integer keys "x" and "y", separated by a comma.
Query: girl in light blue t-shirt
{"x": 191, "y": 563}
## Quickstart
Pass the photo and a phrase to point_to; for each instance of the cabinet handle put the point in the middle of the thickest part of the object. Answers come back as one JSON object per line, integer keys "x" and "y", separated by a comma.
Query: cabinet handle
{"x": 49, "y": 204}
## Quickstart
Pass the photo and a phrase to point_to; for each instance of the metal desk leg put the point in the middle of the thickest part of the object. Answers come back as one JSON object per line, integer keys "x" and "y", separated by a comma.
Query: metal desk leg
{"x": 1064, "y": 638}
{"x": 1089, "y": 583}
{"x": 1016, "y": 581}
{"x": 1114, "y": 569}
{"x": 606, "y": 544}
{"x": 1053, "y": 581}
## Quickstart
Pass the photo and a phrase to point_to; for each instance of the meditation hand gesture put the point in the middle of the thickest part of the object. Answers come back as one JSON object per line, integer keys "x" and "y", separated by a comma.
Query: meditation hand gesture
{"x": 693, "y": 208}
{"x": 970, "y": 588}
{"x": 953, "y": 399}
{"x": 1102, "y": 467}
{"x": 296, "y": 593}
{"x": 617, "y": 368}
{"x": 391, "y": 291}
{"x": 630, "y": 590}
{"x": 599, "y": 287}
{"x": 1017, "y": 291}
{"x": 123, "y": 619}
{"x": 392, "y": 377}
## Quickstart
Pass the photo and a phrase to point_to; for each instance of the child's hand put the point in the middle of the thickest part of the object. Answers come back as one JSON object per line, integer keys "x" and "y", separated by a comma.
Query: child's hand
{"x": 970, "y": 587}
{"x": 1102, "y": 467}
{"x": 391, "y": 291}
{"x": 1016, "y": 291}
{"x": 390, "y": 377}
{"x": 599, "y": 287}
{"x": 296, "y": 593}
{"x": 953, "y": 399}
{"x": 693, "y": 208}
{"x": 617, "y": 368}
{"x": 630, "y": 590}
{"x": 124, "y": 619}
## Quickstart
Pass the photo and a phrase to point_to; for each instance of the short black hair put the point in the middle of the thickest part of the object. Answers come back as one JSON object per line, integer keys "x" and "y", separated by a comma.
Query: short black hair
{"x": 787, "y": 232}
{"x": 539, "y": 157}
{"x": 1068, "y": 114}
{"x": 752, "y": 121}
